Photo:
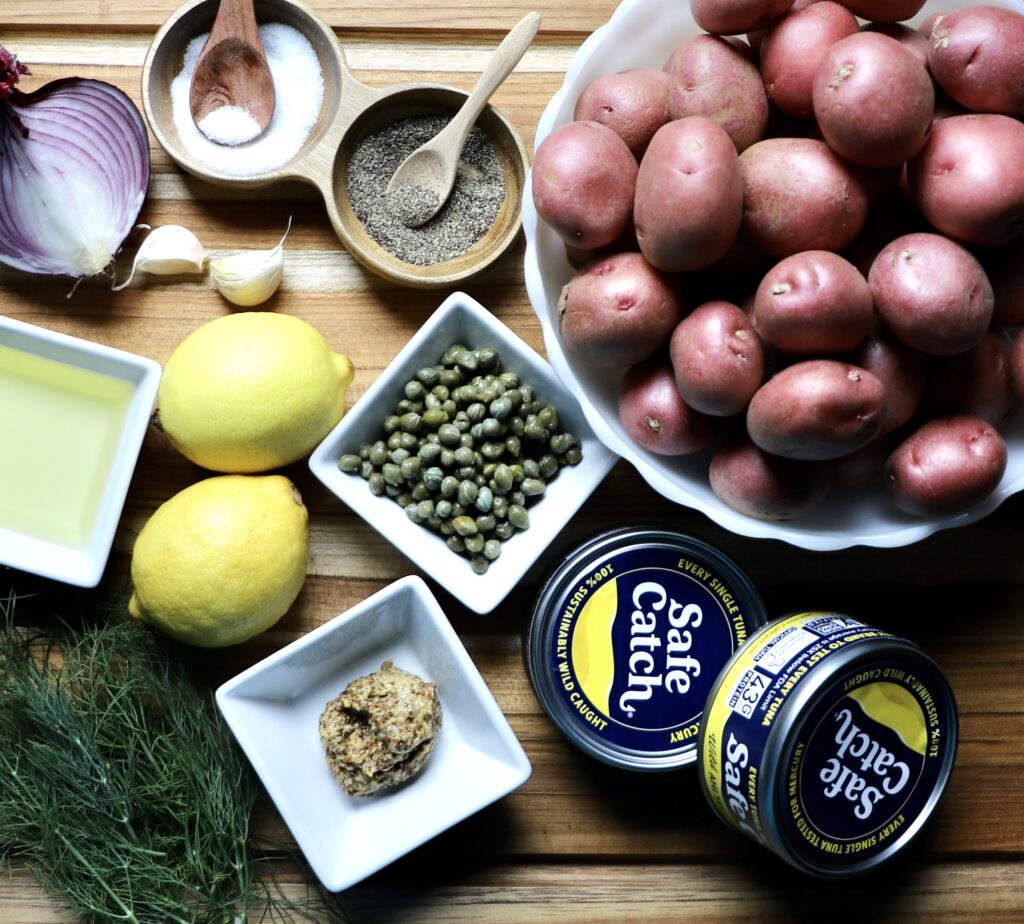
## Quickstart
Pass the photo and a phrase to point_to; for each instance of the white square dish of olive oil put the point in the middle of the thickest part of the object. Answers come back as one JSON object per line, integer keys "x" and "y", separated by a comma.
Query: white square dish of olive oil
{"x": 72, "y": 418}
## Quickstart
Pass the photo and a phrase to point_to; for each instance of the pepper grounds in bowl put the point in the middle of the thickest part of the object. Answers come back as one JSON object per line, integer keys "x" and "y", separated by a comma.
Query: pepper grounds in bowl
{"x": 466, "y": 451}
{"x": 463, "y": 220}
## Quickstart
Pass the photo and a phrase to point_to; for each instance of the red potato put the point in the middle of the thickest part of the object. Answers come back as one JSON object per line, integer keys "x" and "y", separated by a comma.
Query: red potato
{"x": 932, "y": 294}
{"x": 798, "y": 195}
{"x": 912, "y": 39}
{"x": 689, "y": 196}
{"x": 584, "y": 180}
{"x": 947, "y": 466}
{"x": 977, "y": 56}
{"x": 885, "y": 10}
{"x": 618, "y": 311}
{"x": 792, "y": 49}
{"x": 654, "y": 415}
{"x": 813, "y": 302}
{"x": 712, "y": 78}
{"x": 633, "y": 104}
{"x": 976, "y": 382}
{"x": 817, "y": 409}
{"x": 764, "y": 486}
{"x": 733, "y": 17}
{"x": 873, "y": 100}
{"x": 967, "y": 180}
{"x": 901, "y": 370}
{"x": 717, "y": 358}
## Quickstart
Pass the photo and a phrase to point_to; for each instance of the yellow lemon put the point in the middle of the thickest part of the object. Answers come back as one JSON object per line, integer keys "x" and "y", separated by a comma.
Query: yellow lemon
{"x": 222, "y": 560}
{"x": 252, "y": 391}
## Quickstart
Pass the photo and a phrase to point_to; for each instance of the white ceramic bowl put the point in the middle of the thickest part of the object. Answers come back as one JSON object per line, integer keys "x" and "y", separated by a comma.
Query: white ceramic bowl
{"x": 80, "y": 563}
{"x": 643, "y": 33}
{"x": 274, "y": 708}
{"x": 460, "y": 319}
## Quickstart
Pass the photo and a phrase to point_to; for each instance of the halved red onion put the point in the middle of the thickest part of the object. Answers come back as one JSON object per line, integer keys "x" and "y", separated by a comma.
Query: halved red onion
{"x": 74, "y": 166}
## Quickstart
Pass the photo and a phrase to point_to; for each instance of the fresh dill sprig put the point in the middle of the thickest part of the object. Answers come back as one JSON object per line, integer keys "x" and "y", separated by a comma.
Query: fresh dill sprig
{"x": 122, "y": 788}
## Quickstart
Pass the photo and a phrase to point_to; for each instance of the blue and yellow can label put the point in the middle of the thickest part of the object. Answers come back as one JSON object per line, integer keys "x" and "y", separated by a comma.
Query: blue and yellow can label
{"x": 637, "y": 644}
{"x": 833, "y": 779}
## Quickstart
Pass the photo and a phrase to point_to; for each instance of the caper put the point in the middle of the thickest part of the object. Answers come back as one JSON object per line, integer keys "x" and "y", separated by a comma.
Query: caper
{"x": 412, "y": 511}
{"x": 493, "y": 450}
{"x": 392, "y": 473}
{"x": 414, "y": 390}
{"x": 411, "y": 422}
{"x": 434, "y": 523}
{"x": 500, "y": 408}
{"x": 534, "y": 430}
{"x": 516, "y": 426}
{"x": 513, "y": 446}
{"x": 465, "y": 526}
{"x": 425, "y": 508}
{"x": 488, "y": 394}
{"x": 434, "y": 417}
{"x": 398, "y": 456}
{"x": 486, "y": 523}
{"x": 428, "y": 376}
{"x": 431, "y": 402}
{"x": 490, "y": 428}
{"x": 451, "y": 378}
{"x": 477, "y": 431}
{"x": 479, "y": 564}
{"x": 486, "y": 357}
{"x": 449, "y": 407}
{"x": 527, "y": 392}
{"x": 468, "y": 492}
{"x": 443, "y": 508}
{"x": 518, "y": 474}
{"x": 376, "y": 481}
{"x": 514, "y": 396}
{"x": 449, "y": 355}
{"x": 419, "y": 492}
{"x": 476, "y": 412}
{"x": 364, "y": 451}
{"x": 447, "y": 459}
{"x": 449, "y": 485}
{"x": 366, "y": 469}
{"x": 484, "y": 499}
{"x": 531, "y": 468}
{"x": 446, "y": 528}
{"x": 573, "y": 455}
{"x": 349, "y": 463}
{"x": 466, "y": 473}
{"x": 392, "y": 490}
{"x": 464, "y": 456}
{"x": 443, "y": 392}
{"x": 548, "y": 417}
{"x": 391, "y": 423}
{"x": 504, "y": 530}
{"x": 492, "y": 549}
{"x": 518, "y": 517}
{"x": 548, "y": 465}
{"x": 559, "y": 443}
{"x": 378, "y": 453}
{"x": 457, "y": 510}
{"x": 486, "y": 468}
{"x": 433, "y": 478}
{"x": 410, "y": 467}
{"x": 474, "y": 543}
{"x": 502, "y": 479}
{"x": 456, "y": 544}
{"x": 532, "y": 487}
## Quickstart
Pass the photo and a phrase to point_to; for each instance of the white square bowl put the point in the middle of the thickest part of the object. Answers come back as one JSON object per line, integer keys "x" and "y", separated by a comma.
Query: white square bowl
{"x": 84, "y": 566}
{"x": 460, "y": 319}
{"x": 274, "y": 709}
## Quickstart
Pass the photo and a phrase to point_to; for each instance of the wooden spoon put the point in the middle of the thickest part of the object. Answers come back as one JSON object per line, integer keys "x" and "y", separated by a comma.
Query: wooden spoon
{"x": 429, "y": 171}
{"x": 232, "y": 68}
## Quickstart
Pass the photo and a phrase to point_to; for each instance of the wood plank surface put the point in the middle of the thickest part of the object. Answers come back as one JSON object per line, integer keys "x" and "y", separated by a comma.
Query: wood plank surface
{"x": 580, "y": 842}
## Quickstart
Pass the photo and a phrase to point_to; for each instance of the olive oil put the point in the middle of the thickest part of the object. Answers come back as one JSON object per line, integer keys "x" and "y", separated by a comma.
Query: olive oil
{"x": 59, "y": 430}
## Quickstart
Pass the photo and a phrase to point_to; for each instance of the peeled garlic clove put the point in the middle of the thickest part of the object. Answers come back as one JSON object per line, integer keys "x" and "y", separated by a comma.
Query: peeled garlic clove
{"x": 250, "y": 277}
{"x": 167, "y": 251}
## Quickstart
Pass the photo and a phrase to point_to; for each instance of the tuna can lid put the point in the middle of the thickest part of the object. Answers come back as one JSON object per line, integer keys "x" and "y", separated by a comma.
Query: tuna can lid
{"x": 627, "y": 637}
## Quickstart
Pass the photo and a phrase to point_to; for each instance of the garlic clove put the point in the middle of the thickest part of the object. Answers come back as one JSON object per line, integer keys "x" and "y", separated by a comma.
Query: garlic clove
{"x": 250, "y": 277}
{"x": 167, "y": 251}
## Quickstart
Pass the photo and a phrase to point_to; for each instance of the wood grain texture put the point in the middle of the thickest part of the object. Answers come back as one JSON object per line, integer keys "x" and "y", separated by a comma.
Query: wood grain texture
{"x": 579, "y": 842}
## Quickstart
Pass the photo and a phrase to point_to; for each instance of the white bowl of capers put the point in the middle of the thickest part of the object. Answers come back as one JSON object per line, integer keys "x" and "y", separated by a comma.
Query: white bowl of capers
{"x": 465, "y": 441}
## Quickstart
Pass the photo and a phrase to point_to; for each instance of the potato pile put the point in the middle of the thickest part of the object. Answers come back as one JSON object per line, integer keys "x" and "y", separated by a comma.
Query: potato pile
{"x": 802, "y": 236}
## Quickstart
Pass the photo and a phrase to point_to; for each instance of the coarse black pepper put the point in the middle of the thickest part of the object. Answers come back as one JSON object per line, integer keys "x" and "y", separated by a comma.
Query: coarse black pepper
{"x": 463, "y": 220}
